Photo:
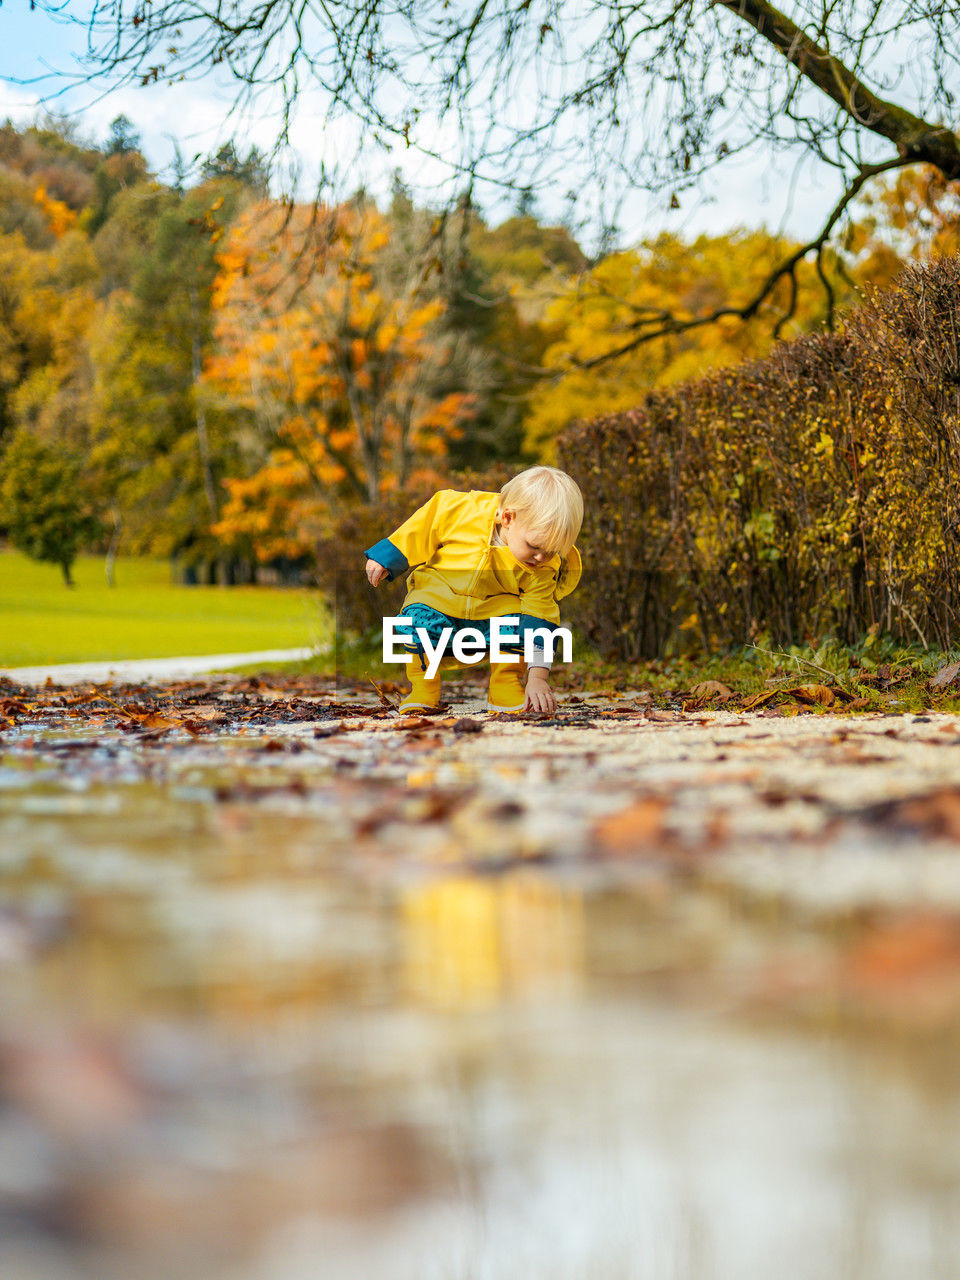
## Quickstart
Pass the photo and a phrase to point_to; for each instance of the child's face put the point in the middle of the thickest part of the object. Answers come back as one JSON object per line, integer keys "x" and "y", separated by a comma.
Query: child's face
{"x": 522, "y": 541}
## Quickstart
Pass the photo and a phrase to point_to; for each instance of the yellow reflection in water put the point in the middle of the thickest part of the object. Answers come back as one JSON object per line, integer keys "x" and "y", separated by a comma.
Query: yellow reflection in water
{"x": 468, "y": 943}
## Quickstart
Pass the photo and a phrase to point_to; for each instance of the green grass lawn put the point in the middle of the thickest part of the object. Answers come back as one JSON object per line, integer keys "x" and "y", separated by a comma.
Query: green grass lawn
{"x": 144, "y": 615}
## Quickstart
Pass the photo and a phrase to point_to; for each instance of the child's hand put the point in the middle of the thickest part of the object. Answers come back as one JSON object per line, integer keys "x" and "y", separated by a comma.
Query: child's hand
{"x": 375, "y": 573}
{"x": 540, "y": 696}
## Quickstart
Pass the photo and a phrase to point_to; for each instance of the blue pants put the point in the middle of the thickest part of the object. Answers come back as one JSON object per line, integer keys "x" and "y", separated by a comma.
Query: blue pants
{"x": 434, "y": 622}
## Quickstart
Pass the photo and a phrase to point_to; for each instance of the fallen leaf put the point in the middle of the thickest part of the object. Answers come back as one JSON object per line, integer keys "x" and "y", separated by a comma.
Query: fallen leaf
{"x": 812, "y": 694}
{"x": 423, "y": 742}
{"x": 468, "y": 726}
{"x": 708, "y": 689}
{"x": 153, "y": 720}
{"x": 935, "y": 814}
{"x": 759, "y": 699}
{"x": 945, "y": 677}
{"x": 630, "y": 830}
{"x": 906, "y": 950}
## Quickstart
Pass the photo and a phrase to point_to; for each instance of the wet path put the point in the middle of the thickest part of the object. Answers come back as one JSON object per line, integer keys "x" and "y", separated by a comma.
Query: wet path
{"x": 149, "y": 669}
{"x": 313, "y": 993}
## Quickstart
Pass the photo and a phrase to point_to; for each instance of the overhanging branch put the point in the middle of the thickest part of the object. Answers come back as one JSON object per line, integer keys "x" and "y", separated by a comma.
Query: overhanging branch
{"x": 915, "y": 139}
{"x": 650, "y": 326}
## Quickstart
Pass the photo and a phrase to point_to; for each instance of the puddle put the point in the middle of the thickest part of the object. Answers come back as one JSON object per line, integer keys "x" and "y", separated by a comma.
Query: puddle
{"x": 241, "y": 1040}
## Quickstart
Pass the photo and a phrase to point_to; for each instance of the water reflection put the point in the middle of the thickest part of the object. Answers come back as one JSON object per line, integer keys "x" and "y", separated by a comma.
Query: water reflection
{"x": 472, "y": 943}
{"x": 239, "y": 1043}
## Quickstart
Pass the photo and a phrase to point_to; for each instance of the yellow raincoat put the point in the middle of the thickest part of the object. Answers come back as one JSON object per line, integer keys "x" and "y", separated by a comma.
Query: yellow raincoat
{"x": 456, "y": 570}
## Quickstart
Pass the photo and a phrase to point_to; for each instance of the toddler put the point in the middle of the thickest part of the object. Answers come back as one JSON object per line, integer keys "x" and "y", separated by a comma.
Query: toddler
{"x": 477, "y": 556}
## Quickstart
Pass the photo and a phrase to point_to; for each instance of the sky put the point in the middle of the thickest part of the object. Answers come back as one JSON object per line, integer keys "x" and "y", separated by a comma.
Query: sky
{"x": 36, "y": 51}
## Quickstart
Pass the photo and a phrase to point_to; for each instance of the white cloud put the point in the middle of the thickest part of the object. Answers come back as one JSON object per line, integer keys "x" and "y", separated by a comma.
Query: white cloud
{"x": 16, "y": 103}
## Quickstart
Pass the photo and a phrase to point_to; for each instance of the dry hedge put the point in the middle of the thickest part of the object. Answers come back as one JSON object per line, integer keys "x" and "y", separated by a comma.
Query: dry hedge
{"x": 813, "y": 492}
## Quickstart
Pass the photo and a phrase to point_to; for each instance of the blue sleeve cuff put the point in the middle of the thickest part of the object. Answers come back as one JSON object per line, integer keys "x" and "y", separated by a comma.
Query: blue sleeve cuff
{"x": 385, "y": 553}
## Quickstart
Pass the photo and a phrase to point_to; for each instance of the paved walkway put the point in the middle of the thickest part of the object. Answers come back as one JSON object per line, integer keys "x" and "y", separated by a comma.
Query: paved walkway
{"x": 148, "y": 669}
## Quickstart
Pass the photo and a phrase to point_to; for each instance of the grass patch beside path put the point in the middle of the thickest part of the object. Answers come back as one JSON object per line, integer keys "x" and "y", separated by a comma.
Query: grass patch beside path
{"x": 144, "y": 615}
{"x": 879, "y": 674}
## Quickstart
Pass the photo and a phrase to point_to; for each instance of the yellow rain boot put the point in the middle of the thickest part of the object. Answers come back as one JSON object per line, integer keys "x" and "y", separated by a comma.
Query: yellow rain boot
{"x": 507, "y": 692}
{"x": 424, "y": 695}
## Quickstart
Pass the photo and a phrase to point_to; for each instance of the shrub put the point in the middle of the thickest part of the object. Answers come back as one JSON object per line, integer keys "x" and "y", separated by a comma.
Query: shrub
{"x": 811, "y": 492}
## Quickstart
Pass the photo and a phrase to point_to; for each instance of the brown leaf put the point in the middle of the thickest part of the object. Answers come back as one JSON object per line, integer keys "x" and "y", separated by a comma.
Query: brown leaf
{"x": 155, "y": 720}
{"x": 468, "y": 726}
{"x": 328, "y": 730}
{"x": 812, "y": 694}
{"x": 630, "y": 830}
{"x": 936, "y": 814}
{"x": 945, "y": 677}
{"x": 382, "y": 695}
{"x": 907, "y": 950}
{"x": 759, "y": 699}
{"x": 708, "y": 689}
{"x": 423, "y": 742}
{"x": 660, "y": 717}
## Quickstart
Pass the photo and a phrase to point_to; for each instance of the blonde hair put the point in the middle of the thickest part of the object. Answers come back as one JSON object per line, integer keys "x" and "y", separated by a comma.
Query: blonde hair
{"x": 549, "y": 503}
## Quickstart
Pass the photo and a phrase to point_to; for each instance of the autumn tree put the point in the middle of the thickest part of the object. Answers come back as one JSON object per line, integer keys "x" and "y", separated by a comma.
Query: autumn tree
{"x": 596, "y": 370}
{"x": 902, "y": 218}
{"x": 335, "y": 362}
{"x": 494, "y": 283}
{"x": 47, "y": 278}
{"x": 595, "y": 99}
{"x": 250, "y": 170}
{"x": 50, "y": 154}
{"x": 161, "y": 450}
{"x": 46, "y": 308}
{"x": 43, "y": 505}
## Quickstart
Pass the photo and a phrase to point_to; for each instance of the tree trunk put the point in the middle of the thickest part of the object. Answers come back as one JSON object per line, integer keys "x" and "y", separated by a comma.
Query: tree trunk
{"x": 203, "y": 438}
{"x": 111, "y": 560}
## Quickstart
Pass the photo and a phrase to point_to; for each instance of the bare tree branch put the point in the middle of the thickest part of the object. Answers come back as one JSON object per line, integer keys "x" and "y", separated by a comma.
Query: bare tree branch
{"x": 650, "y": 325}
{"x": 601, "y": 97}
{"x": 914, "y": 138}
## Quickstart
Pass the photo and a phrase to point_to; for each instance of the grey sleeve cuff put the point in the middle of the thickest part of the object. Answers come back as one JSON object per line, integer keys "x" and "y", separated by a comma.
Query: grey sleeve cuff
{"x": 538, "y": 658}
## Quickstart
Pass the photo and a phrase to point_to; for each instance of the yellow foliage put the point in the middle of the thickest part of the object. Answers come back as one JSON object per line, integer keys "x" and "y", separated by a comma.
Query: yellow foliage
{"x": 601, "y": 313}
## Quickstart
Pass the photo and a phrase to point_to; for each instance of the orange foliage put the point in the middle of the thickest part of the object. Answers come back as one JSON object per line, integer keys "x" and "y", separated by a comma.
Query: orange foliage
{"x": 914, "y": 214}
{"x": 59, "y": 215}
{"x": 333, "y": 361}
